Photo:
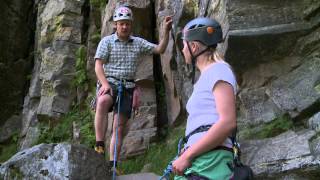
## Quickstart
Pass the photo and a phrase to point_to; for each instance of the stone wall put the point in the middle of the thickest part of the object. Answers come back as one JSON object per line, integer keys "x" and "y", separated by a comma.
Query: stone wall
{"x": 58, "y": 37}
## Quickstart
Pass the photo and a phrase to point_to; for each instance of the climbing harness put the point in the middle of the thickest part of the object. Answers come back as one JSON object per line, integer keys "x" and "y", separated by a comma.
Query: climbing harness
{"x": 240, "y": 170}
{"x": 120, "y": 90}
{"x": 184, "y": 140}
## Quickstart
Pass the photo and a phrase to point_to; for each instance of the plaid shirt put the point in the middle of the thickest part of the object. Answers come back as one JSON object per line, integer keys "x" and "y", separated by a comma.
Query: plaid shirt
{"x": 120, "y": 57}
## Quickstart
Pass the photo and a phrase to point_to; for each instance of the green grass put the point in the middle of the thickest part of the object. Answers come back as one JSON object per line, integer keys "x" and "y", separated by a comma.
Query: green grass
{"x": 8, "y": 150}
{"x": 157, "y": 156}
{"x": 59, "y": 131}
{"x": 87, "y": 130}
{"x": 101, "y": 4}
{"x": 81, "y": 77}
{"x": 317, "y": 88}
{"x": 271, "y": 129}
{"x": 62, "y": 131}
{"x": 96, "y": 37}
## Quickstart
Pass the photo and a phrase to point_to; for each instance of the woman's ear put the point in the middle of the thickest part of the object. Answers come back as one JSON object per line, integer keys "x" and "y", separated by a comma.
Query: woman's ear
{"x": 194, "y": 47}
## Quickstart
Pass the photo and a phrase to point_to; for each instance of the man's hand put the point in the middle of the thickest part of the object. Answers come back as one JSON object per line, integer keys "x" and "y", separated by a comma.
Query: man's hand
{"x": 161, "y": 47}
{"x": 105, "y": 89}
{"x": 167, "y": 23}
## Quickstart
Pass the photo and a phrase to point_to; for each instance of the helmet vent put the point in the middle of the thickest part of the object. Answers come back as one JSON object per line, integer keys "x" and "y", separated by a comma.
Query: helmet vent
{"x": 196, "y": 26}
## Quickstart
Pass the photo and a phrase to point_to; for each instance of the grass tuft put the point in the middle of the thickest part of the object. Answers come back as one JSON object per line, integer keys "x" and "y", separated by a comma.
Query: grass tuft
{"x": 268, "y": 130}
{"x": 157, "y": 156}
{"x": 8, "y": 150}
{"x": 62, "y": 131}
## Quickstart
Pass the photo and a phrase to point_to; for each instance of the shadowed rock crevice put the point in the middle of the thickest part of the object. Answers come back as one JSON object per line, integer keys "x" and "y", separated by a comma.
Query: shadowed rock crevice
{"x": 17, "y": 42}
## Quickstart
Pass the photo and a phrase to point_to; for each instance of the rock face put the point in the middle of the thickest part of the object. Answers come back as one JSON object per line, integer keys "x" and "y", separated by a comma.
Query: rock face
{"x": 275, "y": 66}
{"x": 295, "y": 92}
{"x": 58, "y": 37}
{"x": 274, "y": 50}
{"x": 269, "y": 46}
{"x": 55, "y": 161}
{"x": 288, "y": 152}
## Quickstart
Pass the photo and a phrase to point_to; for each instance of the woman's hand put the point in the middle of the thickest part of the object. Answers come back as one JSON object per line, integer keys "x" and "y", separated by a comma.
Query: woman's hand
{"x": 180, "y": 165}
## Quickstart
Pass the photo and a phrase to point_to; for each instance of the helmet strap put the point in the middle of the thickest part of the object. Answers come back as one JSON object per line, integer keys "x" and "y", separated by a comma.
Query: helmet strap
{"x": 194, "y": 59}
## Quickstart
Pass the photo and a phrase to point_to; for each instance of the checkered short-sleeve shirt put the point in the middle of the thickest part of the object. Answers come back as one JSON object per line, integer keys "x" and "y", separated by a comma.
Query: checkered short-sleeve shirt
{"x": 120, "y": 57}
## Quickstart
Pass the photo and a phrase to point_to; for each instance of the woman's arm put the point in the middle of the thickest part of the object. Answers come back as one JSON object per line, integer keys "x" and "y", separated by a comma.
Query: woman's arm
{"x": 218, "y": 133}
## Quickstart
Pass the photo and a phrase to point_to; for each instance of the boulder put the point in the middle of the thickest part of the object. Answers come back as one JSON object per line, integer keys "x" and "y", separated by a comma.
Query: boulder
{"x": 289, "y": 152}
{"x": 55, "y": 161}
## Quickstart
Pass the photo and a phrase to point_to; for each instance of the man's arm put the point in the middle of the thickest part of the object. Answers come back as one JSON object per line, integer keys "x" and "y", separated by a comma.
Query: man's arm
{"x": 101, "y": 77}
{"x": 161, "y": 47}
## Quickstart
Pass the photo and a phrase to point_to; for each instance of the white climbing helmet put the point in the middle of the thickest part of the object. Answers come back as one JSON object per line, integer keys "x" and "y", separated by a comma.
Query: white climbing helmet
{"x": 122, "y": 13}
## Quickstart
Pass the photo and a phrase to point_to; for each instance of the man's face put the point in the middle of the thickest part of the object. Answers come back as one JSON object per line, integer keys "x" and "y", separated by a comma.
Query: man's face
{"x": 123, "y": 28}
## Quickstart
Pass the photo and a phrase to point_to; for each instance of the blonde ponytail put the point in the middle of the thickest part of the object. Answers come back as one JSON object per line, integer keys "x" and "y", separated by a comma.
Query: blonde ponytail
{"x": 215, "y": 56}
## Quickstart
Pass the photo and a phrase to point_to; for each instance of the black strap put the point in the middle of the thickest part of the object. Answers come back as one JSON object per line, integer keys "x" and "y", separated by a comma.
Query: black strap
{"x": 194, "y": 176}
{"x": 223, "y": 148}
{"x": 233, "y": 136}
{"x": 202, "y": 128}
{"x": 193, "y": 60}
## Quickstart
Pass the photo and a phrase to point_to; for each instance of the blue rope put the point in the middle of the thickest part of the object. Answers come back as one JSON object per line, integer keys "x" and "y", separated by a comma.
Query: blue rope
{"x": 168, "y": 170}
{"x": 120, "y": 89}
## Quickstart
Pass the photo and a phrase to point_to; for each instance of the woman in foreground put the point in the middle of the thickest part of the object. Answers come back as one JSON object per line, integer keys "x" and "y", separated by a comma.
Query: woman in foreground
{"x": 211, "y": 107}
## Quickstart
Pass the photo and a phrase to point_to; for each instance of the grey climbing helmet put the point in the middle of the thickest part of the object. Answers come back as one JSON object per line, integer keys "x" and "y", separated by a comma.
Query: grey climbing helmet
{"x": 122, "y": 13}
{"x": 206, "y": 30}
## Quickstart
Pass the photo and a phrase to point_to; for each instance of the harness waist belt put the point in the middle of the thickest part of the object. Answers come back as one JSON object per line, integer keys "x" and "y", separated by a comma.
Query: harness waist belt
{"x": 222, "y": 148}
{"x": 121, "y": 80}
{"x": 204, "y": 128}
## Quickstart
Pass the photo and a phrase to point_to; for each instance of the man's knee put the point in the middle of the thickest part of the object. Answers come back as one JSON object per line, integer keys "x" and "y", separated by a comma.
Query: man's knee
{"x": 104, "y": 100}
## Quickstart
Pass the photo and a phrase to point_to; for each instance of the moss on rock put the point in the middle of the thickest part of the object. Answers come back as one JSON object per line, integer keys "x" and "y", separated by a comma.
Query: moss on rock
{"x": 268, "y": 130}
